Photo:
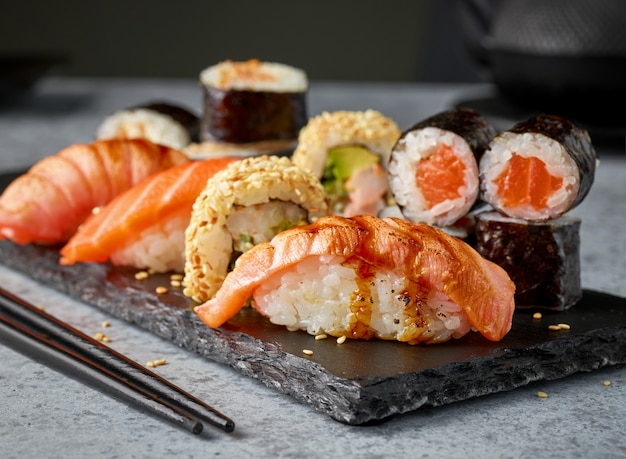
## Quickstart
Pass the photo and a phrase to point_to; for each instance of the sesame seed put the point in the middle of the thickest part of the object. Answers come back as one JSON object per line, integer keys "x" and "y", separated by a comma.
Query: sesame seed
{"x": 176, "y": 277}
{"x": 159, "y": 362}
{"x": 106, "y": 324}
{"x": 321, "y": 336}
{"x": 175, "y": 283}
{"x": 606, "y": 382}
{"x": 141, "y": 275}
{"x": 553, "y": 327}
{"x": 150, "y": 364}
{"x": 307, "y": 351}
{"x": 564, "y": 326}
{"x": 542, "y": 394}
{"x": 537, "y": 315}
{"x": 341, "y": 339}
{"x": 161, "y": 290}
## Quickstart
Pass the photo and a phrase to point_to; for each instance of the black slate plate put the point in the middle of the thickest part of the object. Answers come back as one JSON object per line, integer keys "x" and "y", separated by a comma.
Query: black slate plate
{"x": 358, "y": 382}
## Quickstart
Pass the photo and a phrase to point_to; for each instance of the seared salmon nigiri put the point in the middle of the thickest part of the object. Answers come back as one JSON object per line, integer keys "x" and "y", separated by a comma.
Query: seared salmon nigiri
{"x": 366, "y": 277}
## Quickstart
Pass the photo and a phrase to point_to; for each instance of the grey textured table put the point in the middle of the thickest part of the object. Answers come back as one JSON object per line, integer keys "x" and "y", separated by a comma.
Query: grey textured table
{"x": 45, "y": 414}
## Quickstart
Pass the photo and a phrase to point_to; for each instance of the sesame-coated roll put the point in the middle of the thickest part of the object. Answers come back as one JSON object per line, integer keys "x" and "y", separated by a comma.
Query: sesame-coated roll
{"x": 348, "y": 151}
{"x": 433, "y": 170}
{"x": 539, "y": 169}
{"x": 247, "y": 203}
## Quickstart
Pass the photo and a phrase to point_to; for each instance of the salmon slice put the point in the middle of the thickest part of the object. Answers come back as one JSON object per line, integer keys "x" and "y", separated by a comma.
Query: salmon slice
{"x": 441, "y": 176}
{"x": 526, "y": 181}
{"x": 48, "y": 203}
{"x": 422, "y": 253}
{"x": 159, "y": 198}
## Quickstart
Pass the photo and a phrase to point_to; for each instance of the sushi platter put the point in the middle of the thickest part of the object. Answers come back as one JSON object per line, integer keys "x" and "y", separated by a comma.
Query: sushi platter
{"x": 357, "y": 382}
{"x": 290, "y": 210}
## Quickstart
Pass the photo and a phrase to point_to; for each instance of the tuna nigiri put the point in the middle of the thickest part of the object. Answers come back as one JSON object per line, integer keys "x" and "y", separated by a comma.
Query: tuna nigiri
{"x": 48, "y": 203}
{"x": 144, "y": 226}
{"x": 366, "y": 277}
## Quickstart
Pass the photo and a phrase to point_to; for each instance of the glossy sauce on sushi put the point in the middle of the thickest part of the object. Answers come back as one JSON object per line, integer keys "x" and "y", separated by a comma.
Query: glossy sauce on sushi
{"x": 366, "y": 277}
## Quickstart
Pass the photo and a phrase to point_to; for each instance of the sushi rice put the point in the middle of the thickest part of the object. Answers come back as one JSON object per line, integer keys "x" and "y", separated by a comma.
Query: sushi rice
{"x": 323, "y": 295}
{"x": 144, "y": 123}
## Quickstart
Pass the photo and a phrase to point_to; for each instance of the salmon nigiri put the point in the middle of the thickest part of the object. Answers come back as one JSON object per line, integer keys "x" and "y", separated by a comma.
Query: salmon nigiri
{"x": 47, "y": 203}
{"x": 366, "y": 277}
{"x": 144, "y": 226}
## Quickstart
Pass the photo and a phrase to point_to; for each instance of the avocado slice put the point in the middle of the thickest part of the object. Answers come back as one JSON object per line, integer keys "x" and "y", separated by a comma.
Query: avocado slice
{"x": 341, "y": 163}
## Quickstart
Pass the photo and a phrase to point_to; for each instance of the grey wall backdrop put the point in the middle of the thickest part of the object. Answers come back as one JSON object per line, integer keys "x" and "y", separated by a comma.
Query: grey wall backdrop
{"x": 391, "y": 40}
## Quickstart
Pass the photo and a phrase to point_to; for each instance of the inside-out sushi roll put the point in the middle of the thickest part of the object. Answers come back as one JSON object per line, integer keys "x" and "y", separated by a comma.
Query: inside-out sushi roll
{"x": 251, "y": 108}
{"x": 541, "y": 257}
{"x": 164, "y": 123}
{"x": 365, "y": 277}
{"x": 433, "y": 169}
{"x": 539, "y": 169}
{"x": 243, "y": 205}
{"x": 348, "y": 151}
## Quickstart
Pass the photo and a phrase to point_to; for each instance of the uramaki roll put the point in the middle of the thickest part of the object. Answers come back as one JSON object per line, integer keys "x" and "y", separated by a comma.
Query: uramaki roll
{"x": 539, "y": 169}
{"x": 433, "y": 169}
{"x": 348, "y": 151}
{"x": 247, "y": 203}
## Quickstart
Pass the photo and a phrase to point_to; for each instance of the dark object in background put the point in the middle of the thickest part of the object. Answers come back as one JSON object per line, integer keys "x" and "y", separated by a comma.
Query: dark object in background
{"x": 20, "y": 71}
{"x": 567, "y": 57}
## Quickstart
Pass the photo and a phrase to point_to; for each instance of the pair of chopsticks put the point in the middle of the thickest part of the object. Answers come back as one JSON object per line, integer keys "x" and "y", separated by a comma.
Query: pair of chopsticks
{"x": 41, "y": 336}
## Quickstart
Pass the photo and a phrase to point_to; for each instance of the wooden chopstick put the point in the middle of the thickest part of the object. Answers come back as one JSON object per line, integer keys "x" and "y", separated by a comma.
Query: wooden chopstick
{"x": 28, "y": 328}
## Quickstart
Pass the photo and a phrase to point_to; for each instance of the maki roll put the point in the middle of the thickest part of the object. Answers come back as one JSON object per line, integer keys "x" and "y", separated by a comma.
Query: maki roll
{"x": 245, "y": 204}
{"x": 365, "y": 277}
{"x": 251, "y": 107}
{"x": 433, "y": 169}
{"x": 348, "y": 151}
{"x": 539, "y": 169}
{"x": 542, "y": 257}
{"x": 163, "y": 123}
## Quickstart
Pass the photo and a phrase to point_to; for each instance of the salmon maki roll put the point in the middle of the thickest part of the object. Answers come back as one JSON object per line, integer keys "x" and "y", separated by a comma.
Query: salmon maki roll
{"x": 433, "y": 170}
{"x": 144, "y": 227}
{"x": 365, "y": 277}
{"x": 539, "y": 169}
{"x": 541, "y": 257}
{"x": 243, "y": 205}
{"x": 48, "y": 203}
{"x": 348, "y": 151}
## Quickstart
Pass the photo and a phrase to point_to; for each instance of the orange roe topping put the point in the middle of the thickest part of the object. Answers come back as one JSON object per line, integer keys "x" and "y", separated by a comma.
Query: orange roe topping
{"x": 526, "y": 181}
{"x": 440, "y": 176}
{"x": 250, "y": 70}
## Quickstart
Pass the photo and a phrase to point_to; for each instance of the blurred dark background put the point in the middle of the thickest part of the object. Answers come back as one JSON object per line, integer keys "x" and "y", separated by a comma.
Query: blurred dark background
{"x": 395, "y": 40}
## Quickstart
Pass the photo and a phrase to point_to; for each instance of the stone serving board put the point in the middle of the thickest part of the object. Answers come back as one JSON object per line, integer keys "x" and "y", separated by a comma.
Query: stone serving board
{"x": 357, "y": 382}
